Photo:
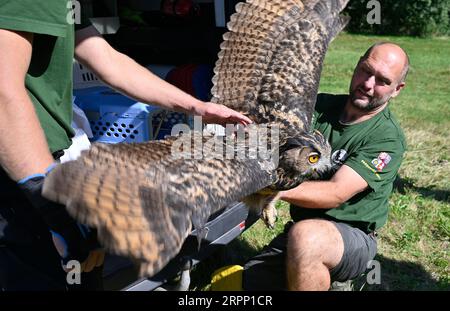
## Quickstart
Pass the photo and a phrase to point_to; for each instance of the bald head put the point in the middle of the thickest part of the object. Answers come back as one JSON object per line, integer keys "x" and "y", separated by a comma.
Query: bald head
{"x": 393, "y": 55}
{"x": 378, "y": 77}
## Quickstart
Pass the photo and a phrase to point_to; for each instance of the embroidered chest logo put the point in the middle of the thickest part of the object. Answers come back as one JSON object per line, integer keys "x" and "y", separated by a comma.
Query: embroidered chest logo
{"x": 382, "y": 161}
{"x": 338, "y": 158}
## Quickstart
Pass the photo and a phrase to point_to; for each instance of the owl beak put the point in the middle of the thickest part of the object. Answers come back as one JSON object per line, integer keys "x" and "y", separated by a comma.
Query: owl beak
{"x": 325, "y": 174}
{"x": 317, "y": 174}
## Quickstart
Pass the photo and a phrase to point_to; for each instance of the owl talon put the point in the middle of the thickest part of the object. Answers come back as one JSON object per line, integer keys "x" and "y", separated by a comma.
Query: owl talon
{"x": 269, "y": 215}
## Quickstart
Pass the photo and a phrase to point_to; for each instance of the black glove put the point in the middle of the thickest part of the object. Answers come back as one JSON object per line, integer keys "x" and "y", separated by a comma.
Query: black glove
{"x": 79, "y": 240}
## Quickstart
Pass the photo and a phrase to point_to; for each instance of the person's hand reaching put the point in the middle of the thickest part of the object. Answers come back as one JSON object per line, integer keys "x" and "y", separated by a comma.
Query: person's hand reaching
{"x": 220, "y": 114}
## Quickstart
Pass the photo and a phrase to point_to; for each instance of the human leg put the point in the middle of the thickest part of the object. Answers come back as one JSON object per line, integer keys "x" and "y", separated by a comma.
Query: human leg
{"x": 314, "y": 247}
{"x": 321, "y": 251}
{"x": 267, "y": 270}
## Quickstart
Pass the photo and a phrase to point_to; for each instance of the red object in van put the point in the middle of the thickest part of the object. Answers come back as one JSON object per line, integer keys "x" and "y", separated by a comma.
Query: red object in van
{"x": 180, "y": 8}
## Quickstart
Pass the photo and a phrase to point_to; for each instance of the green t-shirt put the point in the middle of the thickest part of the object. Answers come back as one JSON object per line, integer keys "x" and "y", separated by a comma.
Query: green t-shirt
{"x": 49, "y": 78}
{"x": 373, "y": 148}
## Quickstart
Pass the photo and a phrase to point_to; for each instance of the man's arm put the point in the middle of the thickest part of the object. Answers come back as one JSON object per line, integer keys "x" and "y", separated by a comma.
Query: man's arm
{"x": 344, "y": 184}
{"x": 125, "y": 75}
{"x": 23, "y": 147}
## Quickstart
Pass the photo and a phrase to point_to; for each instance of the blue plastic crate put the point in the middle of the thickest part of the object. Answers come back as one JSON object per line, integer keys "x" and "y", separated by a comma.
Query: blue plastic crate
{"x": 115, "y": 118}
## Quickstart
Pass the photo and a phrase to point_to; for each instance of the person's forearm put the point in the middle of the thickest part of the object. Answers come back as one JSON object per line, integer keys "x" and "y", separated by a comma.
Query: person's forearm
{"x": 23, "y": 147}
{"x": 128, "y": 77}
{"x": 135, "y": 81}
{"x": 316, "y": 194}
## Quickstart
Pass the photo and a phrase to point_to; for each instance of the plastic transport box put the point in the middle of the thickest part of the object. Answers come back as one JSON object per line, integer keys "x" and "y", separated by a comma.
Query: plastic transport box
{"x": 115, "y": 118}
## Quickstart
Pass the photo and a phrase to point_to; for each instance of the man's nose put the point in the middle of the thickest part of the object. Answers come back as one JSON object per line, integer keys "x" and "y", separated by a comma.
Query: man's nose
{"x": 369, "y": 83}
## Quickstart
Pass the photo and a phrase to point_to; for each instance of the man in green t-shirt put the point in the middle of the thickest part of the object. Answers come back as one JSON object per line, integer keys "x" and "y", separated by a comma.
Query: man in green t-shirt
{"x": 38, "y": 43}
{"x": 334, "y": 234}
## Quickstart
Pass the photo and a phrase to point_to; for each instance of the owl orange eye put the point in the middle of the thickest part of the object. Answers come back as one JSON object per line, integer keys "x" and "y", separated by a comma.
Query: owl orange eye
{"x": 313, "y": 158}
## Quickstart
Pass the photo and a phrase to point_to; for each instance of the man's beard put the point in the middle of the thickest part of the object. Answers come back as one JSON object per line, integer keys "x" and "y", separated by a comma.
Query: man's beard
{"x": 371, "y": 105}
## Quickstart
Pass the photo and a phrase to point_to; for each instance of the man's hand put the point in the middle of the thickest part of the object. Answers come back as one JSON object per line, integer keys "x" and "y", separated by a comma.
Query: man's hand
{"x": 220, "y": 114}
{"x": 72, "y": 240}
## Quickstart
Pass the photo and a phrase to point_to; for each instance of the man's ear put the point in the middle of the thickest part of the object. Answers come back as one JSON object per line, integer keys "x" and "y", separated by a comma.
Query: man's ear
{"x": 398, "y": 88}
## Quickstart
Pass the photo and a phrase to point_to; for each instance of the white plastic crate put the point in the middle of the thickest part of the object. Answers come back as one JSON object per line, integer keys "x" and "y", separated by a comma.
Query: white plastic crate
{"x": 84, "y": 78}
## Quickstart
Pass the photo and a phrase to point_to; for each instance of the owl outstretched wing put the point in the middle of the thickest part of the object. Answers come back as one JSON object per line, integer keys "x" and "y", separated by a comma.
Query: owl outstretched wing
{"x": 143, "y": 200}
{"x": 270, "y": 60}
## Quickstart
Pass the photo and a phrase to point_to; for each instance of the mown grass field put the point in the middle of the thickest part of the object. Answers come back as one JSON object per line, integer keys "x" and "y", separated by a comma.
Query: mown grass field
{"x": 414, "y": 250}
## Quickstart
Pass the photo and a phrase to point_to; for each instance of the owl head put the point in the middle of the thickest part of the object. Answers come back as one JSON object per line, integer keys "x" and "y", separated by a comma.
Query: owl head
{"x": 303, "y": 157}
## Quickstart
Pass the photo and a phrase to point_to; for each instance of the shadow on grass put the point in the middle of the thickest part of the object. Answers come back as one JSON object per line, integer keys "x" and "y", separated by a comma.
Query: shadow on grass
{"x": 403, "y": 275}
{"x": 403, "y": 184}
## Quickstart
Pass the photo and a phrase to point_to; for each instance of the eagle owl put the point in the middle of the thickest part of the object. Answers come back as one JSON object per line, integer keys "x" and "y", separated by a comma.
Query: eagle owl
{"x": 144, "y": 201}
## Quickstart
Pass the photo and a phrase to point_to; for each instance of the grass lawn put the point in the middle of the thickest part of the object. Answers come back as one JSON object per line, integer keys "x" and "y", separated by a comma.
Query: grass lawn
{"x": 414, "y": 245}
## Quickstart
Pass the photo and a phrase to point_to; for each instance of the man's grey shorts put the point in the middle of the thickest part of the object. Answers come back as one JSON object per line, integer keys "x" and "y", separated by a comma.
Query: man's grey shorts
{"x": 267, "y": 271}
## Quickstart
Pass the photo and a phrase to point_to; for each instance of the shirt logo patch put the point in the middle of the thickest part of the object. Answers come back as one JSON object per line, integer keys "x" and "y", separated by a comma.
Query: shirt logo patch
{"x": 382, "y": 161}
{"x": 338, "y": 157}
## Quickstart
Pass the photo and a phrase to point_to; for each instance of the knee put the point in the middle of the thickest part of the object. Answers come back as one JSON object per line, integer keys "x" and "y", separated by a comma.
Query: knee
{"x": 303, "y": 236}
